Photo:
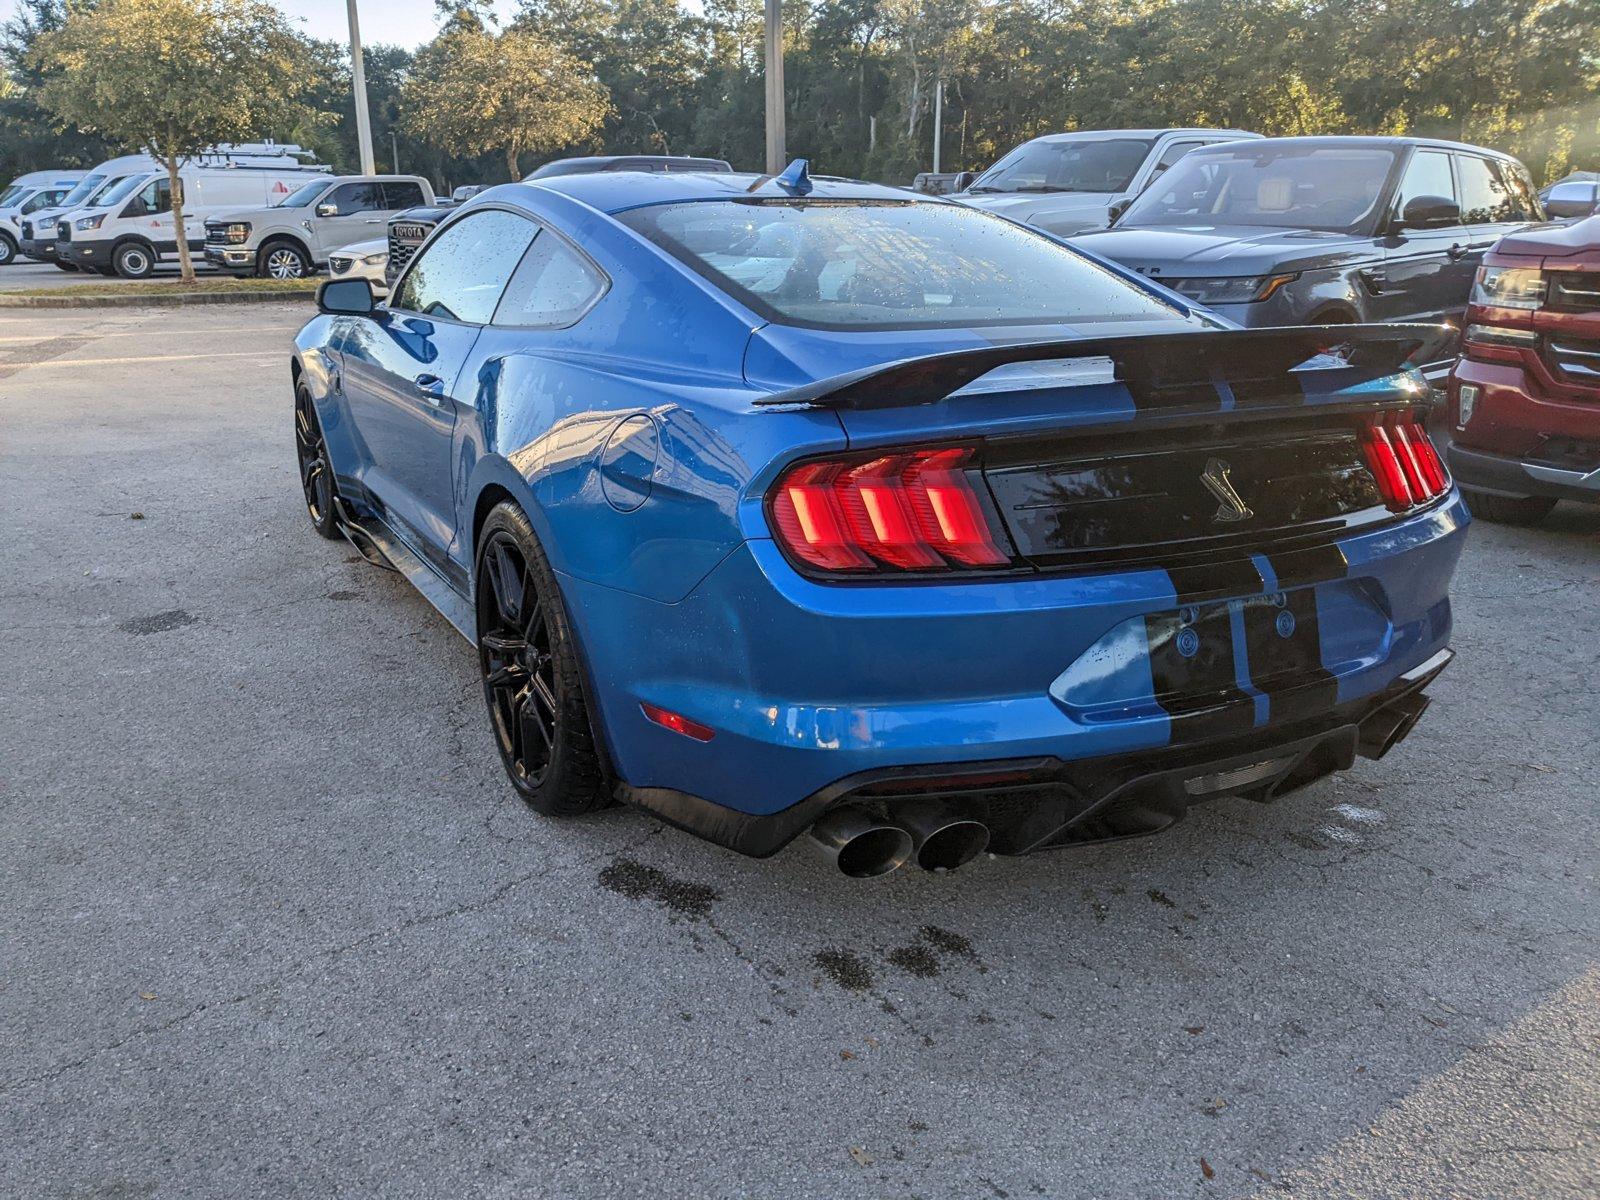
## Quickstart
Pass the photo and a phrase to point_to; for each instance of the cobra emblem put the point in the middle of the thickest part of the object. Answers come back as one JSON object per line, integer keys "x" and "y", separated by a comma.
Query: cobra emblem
{"x": 1231, "y": 507}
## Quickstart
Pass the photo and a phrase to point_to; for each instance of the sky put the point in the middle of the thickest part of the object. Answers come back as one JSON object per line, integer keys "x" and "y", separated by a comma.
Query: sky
{"x": 407, "y": 23}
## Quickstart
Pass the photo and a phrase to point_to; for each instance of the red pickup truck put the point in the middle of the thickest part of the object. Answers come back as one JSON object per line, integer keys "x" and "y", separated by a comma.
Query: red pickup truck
{"x": 1525, "y": 394}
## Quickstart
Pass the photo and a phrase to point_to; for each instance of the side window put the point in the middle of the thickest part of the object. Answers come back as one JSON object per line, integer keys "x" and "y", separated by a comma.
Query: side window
{"x": 153, "y": 199}
{"x": 1521, "y": 204}
{"x": 463, "y": 271}
{"x": 1171, "y": 155}
{"x": 553, "y": 286}
{"x": 1427, "y": 174}
{"x": 399, "y": 194}
{"x": 1485, "y": 199}
{"x": 356, "y": 198}
{"x": 41, "y": 200}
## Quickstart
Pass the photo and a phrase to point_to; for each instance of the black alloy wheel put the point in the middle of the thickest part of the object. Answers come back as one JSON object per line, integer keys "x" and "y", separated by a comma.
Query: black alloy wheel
{"x": 531, "y": 680}
{"x": 316, "y": 472}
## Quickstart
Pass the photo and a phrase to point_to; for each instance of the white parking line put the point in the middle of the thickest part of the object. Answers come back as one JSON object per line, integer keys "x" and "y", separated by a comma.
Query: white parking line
{"x": 153, "y": 358}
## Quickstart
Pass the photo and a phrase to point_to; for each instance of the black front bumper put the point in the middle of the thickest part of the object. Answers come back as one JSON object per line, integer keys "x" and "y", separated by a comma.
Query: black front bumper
{"x": 1044, "y": 803}
{"x": 1503, "y": 476}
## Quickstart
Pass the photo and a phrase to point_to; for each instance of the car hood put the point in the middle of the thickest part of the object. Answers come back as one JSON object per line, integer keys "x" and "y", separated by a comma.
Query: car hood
{"x": 362, "y": 249}
{"x": 253, "y": 215}
{"x": 1176, "y": 251}
{"x": 1059, "y": 212}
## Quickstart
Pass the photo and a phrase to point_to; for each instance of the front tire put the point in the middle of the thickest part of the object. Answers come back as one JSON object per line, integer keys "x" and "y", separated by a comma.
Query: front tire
{"x": 134, "y": 260}
{"x": 1508, "y": 510}
{"x": 8, "y": 251}
{"x": 316, "y": 470}
{"x": 532, "y": 683}
{"x": 283, "y": 260}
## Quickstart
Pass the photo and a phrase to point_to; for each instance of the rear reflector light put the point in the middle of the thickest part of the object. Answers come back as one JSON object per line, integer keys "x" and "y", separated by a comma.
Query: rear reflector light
{"x": 912, "y": 510}
{"x": 678, "y": 723}
{"x": 1403, "y": 461}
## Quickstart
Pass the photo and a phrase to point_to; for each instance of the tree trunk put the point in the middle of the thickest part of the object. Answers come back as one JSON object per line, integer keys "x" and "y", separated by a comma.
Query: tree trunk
{"x": 185, "y": 263}
{"x": 511, "y": 164}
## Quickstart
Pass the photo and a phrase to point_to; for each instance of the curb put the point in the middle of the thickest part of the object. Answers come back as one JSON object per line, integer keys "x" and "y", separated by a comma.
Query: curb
{"x": 176, "y": 299}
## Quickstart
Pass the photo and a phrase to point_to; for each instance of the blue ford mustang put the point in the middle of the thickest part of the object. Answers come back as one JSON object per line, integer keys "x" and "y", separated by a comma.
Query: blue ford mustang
{"x": 786, "y": 505}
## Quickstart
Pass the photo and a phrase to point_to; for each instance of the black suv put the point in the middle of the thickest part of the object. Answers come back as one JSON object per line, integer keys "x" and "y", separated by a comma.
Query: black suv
{"x": 1315, "y": 230}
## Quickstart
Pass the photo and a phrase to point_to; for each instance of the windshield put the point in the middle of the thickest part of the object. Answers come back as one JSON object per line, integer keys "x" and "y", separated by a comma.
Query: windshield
{"x": 11, "y": 194}
{"x": 898, "y": 264}
{"x": 1331, "y": 188}
{"x": 1066, "y": 166}
{"x": 85, "y": 188}
{"x": 302, "y": 195}
{"x": 116, "y": 192}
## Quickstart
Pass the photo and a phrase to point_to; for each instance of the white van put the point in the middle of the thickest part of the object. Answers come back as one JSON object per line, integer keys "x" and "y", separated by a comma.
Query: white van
{"x": 38, "y": 229}
{"x": 26, "y": 195}
{"x": 125, "y": 227}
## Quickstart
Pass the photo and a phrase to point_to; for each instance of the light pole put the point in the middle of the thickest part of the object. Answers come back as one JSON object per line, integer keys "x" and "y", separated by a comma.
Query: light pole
{"x": 358, "y": 72}
{"x": 938, "y": 123}
{"x": 776, "y": 158}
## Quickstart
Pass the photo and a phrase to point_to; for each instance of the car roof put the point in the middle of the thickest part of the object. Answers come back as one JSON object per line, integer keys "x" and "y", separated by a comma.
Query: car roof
{"x": 1357, "y": 141}
{"x": 1079, "y": 135}
{"x": 617, "y": 191}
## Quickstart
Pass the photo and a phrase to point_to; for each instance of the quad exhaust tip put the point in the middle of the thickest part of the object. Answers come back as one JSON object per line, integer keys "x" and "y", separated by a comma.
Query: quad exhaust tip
{"x": 932, "y": 834}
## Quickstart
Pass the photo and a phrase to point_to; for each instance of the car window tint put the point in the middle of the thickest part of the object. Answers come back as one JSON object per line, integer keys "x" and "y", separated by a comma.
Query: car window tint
{"x": 399, "y": 194}
{"x": 156, "y": 197}
{"x": 462, "y": 273}
{"x": 1173, "y": 153}
{"x": 890, "y": 263}
{"x": 357, "y": 197}
{"x": 553, "y": 285}
{"x": 1485, "y": 198}
{"x": 42, "y": 200}
{"x": 1427, "y": 174}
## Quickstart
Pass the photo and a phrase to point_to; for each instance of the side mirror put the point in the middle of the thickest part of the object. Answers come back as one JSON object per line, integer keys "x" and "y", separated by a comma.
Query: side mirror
{"x": 346, "y": 297}
{"x": 1562, "y": 210}
{"x": 1118, "y": 207}
{"x": 965, "y": 179}
{"x": 327, "y": 209}
{"x": 1430, "y": 212}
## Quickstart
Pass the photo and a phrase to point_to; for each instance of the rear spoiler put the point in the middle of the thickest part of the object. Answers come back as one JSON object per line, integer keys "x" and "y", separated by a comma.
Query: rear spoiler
{"x": 1150, "y": 364}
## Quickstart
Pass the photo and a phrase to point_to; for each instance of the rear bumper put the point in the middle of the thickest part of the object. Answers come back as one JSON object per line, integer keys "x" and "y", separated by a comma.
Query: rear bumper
{"x": 1522, "y": 440}
{"x": 811, "y": 686}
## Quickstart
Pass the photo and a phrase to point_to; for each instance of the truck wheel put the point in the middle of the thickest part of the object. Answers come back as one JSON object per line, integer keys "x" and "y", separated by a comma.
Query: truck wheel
{"x": 8, "y": 251}
{"x": 1508, "y": 510}
{"x": 133, "y": 260}
{"x": 283, "y": 260}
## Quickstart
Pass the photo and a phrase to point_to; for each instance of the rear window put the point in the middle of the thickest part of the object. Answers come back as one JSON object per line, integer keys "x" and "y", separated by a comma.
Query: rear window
{"x": 834, "y": 264}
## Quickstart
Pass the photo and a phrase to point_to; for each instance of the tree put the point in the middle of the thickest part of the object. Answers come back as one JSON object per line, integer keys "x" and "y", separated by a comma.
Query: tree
{"x": 29, "y": 139}
{"x": 176, "y": 78}
{"x": 516, "y": 93}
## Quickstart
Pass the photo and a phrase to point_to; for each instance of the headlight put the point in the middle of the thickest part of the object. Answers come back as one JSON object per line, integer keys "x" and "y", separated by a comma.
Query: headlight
{"x": 89, "y": 222}
{"x": 1240, "y": 289}
{"x": 377, "y": 260}
{"x": 1509, "y": 287}
{"x": 238, "y": 232}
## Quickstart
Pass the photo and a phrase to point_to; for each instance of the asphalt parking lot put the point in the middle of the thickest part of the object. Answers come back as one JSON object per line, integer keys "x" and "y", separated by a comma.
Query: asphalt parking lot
{"x": 25, "y": 275}
{"x": 272, "y": 924}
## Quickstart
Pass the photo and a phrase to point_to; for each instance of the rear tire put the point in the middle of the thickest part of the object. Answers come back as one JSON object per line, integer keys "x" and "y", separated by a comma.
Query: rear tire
{"x": 134, "y": 260}
{"x": 1508, "y": 510}
{"x": 532, "y": 682}
{"x": 283, "y": 260}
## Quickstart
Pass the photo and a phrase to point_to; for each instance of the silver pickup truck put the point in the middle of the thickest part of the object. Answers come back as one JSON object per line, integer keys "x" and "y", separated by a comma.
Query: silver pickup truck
{"x": 294, "y": 237}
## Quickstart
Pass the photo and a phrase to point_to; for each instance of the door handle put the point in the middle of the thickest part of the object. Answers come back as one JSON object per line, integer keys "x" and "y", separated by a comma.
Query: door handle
{"x": 430, "y": 386}
{"x": 1457, "y": 251}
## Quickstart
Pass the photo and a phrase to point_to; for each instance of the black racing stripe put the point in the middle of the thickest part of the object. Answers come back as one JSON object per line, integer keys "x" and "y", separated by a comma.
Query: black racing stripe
{"x": 1315, "y": 564}
{"x": 1198, "y": 690}
{"x": 1215, "y": 581}
{"x": 1199, "y": 398}
{"x": 1283, "y": 639}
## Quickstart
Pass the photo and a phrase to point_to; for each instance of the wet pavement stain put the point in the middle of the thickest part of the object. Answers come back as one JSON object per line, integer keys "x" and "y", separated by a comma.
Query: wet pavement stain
{"x": 849, "y": 971}
{"x": 343, "y": 595}
{"x": 637, "y": 881}
{"x": 949, "y": 942}
{"x": 160, "y": 622}
{"x": 1157, "y": 896}
{"x": 915, "y": 960}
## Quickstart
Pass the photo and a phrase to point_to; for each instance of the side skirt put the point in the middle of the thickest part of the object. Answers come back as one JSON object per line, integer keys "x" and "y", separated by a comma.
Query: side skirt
{"x": 378, "y": 544}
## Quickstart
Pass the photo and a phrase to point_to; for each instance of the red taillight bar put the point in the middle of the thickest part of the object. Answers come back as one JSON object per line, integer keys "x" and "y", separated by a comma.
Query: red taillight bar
{"x": 1403, "y": 461}
{"x": 911, "y": 510}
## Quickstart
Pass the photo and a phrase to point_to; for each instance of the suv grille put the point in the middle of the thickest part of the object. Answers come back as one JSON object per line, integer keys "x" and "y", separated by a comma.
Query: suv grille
{"x": 404, "y": 238}
{"x": 63, "y": 231}
{"x": 216, "y": 234}
{"x": 1575, "y": 359}
{"x": 27, "y": 230}
{"x": 1574, "y": 291}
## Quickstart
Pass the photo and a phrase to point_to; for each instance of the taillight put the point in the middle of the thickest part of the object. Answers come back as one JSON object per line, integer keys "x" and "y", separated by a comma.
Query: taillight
{"x": 1403, "y": 461}
{"x": 908, "y": 510}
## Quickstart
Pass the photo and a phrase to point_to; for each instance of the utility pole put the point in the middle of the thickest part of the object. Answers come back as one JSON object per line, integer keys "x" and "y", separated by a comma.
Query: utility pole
{"x": 938, "y": 121}
{"x": 777, "y": 159}
{"x": 358, "y": 72}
